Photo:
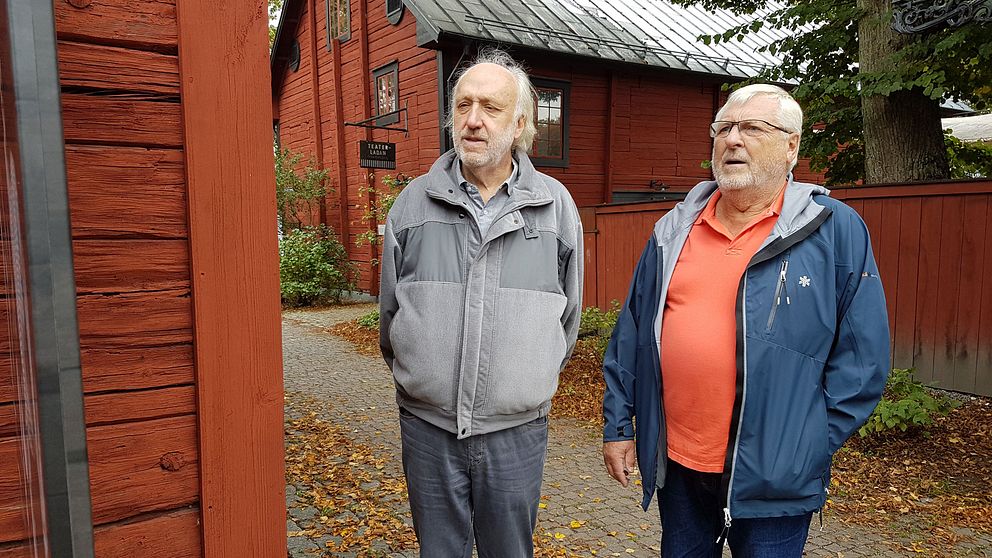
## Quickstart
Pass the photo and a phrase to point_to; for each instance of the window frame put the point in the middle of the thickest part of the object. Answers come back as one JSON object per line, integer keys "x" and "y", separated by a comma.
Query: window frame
{"x": 393, "y": 69}
{"x": 395, "y": 15}
{"x": 566, "y": 92}
{"x": 346, "y": 33}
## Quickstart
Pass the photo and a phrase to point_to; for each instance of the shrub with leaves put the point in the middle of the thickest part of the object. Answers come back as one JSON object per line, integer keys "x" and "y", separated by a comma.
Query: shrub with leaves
{"x": 313, "y": 267}
{"x": 380, "y": 204}
{"x": 298, "y": 193}
{"x": 598, "y": 324}
{"x": 907, "y": 403}
{"x": 370, "y": 320}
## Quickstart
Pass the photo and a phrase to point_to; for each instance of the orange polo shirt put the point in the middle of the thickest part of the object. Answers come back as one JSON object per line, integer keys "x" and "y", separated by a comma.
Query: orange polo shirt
{"x": 699, "y": 336}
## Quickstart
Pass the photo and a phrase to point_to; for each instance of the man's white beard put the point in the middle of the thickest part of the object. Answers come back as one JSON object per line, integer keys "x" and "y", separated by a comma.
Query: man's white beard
{"x": 759, "y": 173}
{"x": 496, "y": 147}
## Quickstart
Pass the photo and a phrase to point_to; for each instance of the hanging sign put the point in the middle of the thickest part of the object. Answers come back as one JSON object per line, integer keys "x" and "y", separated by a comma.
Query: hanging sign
{"x": 377, "y": 154}
{"x": 915, "y": 16}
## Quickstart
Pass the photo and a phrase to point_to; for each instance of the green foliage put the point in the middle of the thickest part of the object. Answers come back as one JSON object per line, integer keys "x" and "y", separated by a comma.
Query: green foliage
{"x": 313, "y": 267}
{"x": 906, "y": 404}
{"x": 275, "y": 7}
{"x": 297, "y": 195}
{"x": 370, "y": 320}
{"x": 968, "y": 160}
{"x": 380, "y": 202}
{"x": 820, "y": 52}
{"x": 599, "y": 325}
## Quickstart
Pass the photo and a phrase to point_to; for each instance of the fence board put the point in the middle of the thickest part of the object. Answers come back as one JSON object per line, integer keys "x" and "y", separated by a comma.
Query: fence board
{"x": 965, "y": 336}
{"x": 906, "y": 284}
{"x": 983, "y": 381}
{"x": 948, "y": 278}
{"x": 928, "y": 288}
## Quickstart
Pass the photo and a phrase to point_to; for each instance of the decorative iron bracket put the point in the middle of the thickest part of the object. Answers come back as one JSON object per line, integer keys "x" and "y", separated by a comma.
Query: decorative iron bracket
{"x": 915, "y": 16}
{"x": 370, "y": 122}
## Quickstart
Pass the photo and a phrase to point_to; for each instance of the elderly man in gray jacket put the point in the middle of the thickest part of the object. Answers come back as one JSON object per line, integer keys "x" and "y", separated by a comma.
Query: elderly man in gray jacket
{"x": 479, "y": 310}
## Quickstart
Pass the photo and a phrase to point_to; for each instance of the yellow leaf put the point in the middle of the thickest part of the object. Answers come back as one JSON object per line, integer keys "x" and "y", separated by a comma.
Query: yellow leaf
{"x": 559, "y": 536}
{"x": 575, "y": 524}
{"x": 543, "y": 506}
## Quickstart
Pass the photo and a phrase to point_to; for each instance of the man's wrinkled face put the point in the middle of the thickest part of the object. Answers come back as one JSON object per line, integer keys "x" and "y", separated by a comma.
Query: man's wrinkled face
{"x": 746, "y": 161}
{"x": 484, "y": 126}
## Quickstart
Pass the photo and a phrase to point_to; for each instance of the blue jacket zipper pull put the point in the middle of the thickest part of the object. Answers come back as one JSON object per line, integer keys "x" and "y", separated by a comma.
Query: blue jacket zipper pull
{"x": 722, "y": 539}
{"x": 785, "y": 284}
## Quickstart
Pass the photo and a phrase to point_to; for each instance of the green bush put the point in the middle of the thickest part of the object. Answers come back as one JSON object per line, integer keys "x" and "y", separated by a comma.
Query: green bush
{"x": 599, "y": 325}
{"x": 907, "y": 403}
{"x": 313, "y": 267}
{"x": 370, "y": 320}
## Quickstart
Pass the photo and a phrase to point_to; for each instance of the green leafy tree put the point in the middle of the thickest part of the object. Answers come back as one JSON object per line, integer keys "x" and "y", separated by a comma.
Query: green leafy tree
{"x": 297, "y": 195}
{"x": 275, "y": 8}
{"x": 869, "y": 89}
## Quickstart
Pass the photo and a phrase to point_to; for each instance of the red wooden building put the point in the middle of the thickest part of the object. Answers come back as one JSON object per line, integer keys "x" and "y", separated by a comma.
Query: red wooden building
{"x": 140, "y": 362}
{"x": 625, "y": 91}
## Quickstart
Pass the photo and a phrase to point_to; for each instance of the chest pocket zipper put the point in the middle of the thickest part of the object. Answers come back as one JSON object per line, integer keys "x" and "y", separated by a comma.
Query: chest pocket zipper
{"x": 781, "y": 289}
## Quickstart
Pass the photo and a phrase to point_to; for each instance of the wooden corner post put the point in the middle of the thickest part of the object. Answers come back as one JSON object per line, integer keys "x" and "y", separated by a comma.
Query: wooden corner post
{"x": 227, "y": 116}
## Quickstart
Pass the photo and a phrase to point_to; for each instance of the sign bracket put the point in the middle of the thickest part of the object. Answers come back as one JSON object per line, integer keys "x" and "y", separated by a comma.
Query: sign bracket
{"x": 370, "y": 122}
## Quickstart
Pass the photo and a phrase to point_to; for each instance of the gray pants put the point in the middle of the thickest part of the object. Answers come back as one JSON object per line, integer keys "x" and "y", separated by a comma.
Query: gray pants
{"x": 484, "y": 487}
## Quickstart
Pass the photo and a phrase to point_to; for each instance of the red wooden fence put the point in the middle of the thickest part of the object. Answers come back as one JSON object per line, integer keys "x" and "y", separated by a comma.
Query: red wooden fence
{"x": 934, "y": 255}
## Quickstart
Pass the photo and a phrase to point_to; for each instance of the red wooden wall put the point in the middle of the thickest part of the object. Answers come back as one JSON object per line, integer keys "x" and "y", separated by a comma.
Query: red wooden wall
{"x": 933, "y": 244}
{"x": 172, "y": 207}
{"x": 312, "y": 109}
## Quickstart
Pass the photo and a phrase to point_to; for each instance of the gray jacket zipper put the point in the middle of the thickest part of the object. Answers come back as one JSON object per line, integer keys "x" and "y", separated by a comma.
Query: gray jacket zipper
{"x": 777, "y": 299}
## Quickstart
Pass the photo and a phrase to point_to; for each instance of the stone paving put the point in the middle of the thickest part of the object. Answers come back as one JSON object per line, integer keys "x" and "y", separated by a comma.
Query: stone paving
{"x": 576, "y": 486}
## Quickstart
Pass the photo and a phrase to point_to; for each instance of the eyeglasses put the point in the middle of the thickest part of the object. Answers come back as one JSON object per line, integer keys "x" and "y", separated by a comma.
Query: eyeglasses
{"x": 751, "y": 128}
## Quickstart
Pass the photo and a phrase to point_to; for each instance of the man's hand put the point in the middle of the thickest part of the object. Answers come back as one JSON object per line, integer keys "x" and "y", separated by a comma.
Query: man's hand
{"x": 620, "y": 459}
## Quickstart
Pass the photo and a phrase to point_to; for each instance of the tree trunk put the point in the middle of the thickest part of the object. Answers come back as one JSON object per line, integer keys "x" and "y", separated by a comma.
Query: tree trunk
{"x": 903, "y": 138}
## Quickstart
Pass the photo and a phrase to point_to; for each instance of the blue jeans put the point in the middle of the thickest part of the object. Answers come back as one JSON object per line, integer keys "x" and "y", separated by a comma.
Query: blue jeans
{"x": 692, "y": 519}
{"x": 482, "y": 489}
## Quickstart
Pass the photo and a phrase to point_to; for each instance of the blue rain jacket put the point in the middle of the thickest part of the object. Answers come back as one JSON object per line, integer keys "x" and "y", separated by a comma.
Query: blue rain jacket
{"x": 812, "y": 353}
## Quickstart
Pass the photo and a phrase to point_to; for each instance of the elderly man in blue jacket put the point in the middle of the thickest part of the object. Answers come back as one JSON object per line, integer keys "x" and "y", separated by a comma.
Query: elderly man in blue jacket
{"x": 753, "y": 342}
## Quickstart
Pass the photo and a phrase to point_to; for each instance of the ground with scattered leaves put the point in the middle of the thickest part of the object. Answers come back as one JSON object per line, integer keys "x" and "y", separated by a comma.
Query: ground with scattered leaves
{"x": 928, "y": 493}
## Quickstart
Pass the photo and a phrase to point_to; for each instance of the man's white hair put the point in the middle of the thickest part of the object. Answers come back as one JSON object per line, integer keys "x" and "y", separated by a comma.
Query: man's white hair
{"x": 790, "y": 114}
{"x": 525, "y": 93}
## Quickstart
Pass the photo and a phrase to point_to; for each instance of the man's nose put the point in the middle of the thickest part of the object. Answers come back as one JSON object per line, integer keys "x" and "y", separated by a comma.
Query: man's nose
{"x": 474, "y": 117}
{"x": 734, "y": 137}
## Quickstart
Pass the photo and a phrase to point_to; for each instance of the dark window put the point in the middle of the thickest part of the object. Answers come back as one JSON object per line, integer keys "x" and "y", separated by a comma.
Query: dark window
{"x": 294, "y": 56}
{"x": 551, "y": 114}
{"x": 338, "y": 21}
{"x": 386, "y": 82}
{"x": 275, "y": 135}
{"x": 394, "y": 11}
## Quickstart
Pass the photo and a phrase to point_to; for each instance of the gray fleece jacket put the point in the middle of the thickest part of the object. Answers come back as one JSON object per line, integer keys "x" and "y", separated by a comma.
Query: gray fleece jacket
{"x": 476, "y": 344}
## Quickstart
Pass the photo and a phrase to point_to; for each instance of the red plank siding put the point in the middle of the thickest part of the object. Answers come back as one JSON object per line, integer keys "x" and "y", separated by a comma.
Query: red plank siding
{"x": 118, "y": 69}
{"x": 232, "y": 218}
{"x": 142, "y": 24}
{"x": 153, "y": 179}
{"x": 142, "y": 467}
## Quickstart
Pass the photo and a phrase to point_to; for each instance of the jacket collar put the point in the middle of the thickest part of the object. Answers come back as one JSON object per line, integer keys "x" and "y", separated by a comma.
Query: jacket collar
{"x": 529, "y": 188}
{"x": 798, "y": 209}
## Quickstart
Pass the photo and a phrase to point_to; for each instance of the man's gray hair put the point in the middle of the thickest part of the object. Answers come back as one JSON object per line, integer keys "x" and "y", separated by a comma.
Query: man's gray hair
{"x": 525, "y": 93}
{"x": 790, "y": 114}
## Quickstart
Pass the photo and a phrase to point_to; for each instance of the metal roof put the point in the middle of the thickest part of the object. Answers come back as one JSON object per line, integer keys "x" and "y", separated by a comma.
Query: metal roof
{"x": 970, "y": 128}
{"x": 649, "y": 32}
